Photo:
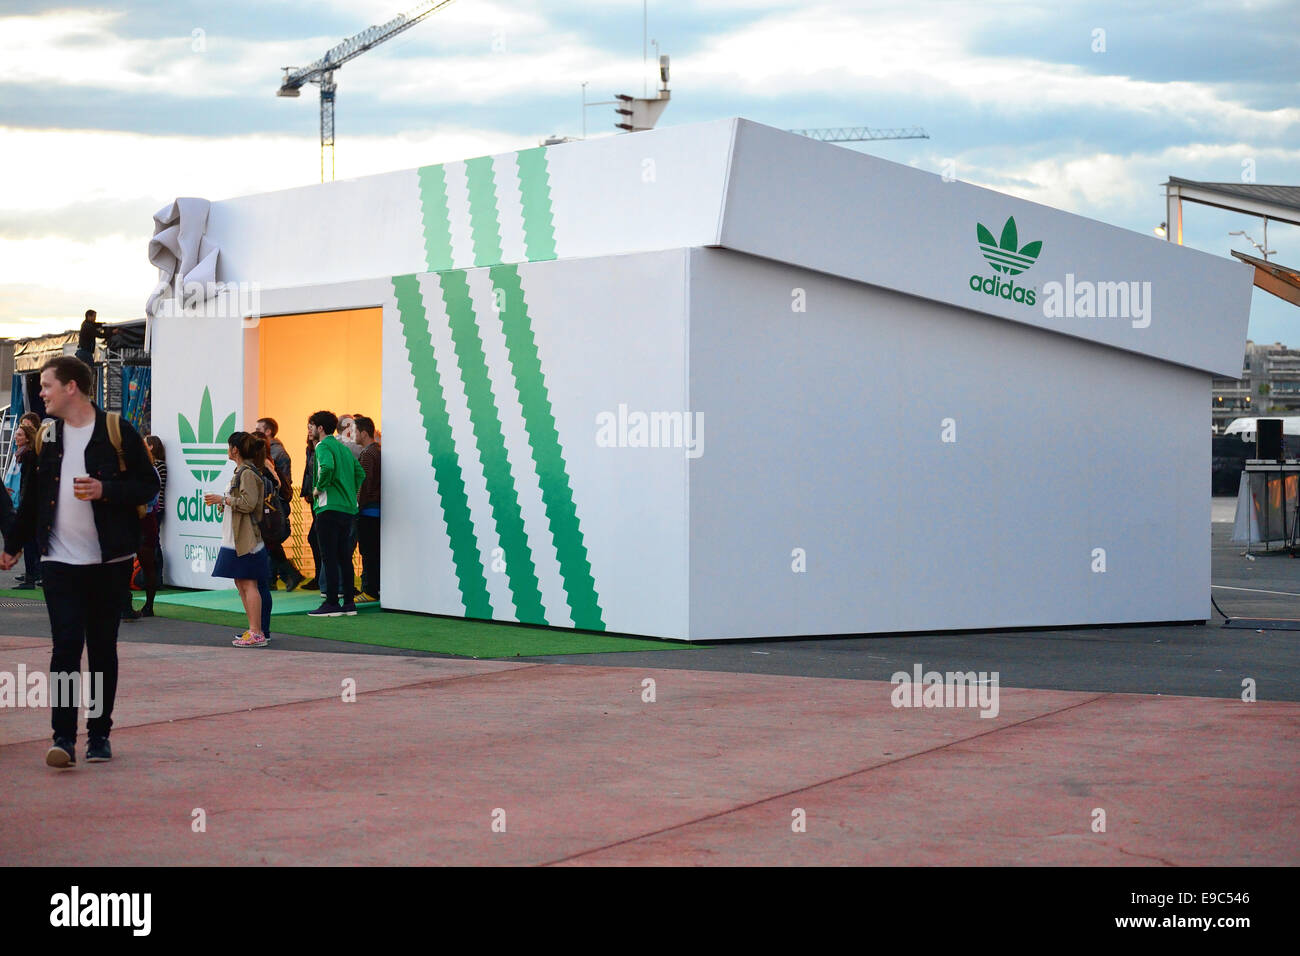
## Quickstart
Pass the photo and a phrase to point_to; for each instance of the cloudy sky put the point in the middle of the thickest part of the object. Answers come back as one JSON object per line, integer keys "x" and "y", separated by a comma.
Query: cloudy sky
{"x": 110, "y": 110}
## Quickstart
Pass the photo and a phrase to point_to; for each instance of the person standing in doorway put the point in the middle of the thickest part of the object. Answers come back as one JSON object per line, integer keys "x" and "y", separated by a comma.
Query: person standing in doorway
{"x": 82, "y": 511}
{"x": 317, "y": 582}
{"x": 348, "y": 435}
{"x": 335, "y": 483}
{"x": 368, "y": 509}
{"x": 281, "y": 566}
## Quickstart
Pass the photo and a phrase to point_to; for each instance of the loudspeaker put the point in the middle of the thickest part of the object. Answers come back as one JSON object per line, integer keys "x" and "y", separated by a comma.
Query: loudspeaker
{"x": 1268, "y": 439}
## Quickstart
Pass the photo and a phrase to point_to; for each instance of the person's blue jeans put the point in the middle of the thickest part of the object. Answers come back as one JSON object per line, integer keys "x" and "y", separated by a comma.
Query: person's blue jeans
{"x": 264, "y": 589}
{"x": 263, "y": 580}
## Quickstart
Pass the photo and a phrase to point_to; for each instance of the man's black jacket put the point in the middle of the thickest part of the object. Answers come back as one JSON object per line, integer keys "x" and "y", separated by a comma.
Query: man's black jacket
{"x": 283, "y": 470}
{"x": 116, "y": 519}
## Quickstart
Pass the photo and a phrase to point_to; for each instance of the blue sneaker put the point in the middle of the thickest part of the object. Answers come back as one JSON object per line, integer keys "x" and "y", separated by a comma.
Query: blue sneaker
{"x": 62, "y": 754}
{"x": 98, "y": 750}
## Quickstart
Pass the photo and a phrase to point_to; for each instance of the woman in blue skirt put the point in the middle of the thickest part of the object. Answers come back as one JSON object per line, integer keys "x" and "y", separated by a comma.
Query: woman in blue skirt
{"x": 243, "y": 555}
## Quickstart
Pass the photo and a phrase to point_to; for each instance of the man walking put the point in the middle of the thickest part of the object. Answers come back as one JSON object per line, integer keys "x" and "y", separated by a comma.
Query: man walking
{"x": 317, "y": 581}
{"x": 281, "y": 566}
{"x": 368, "y": 509}
{"x": 337, "y": 477}
{"x": 81, "y": 510}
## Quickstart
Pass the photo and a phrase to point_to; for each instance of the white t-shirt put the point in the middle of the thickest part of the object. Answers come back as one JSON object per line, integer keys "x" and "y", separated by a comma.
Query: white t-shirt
{"x": 73, "y": 539}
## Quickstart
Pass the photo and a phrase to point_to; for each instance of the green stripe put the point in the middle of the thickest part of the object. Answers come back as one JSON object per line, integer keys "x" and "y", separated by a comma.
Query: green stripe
{"x": 1014, "y": 256}
{"x": 1014, "y": 262}
{"x": 446, "y": 464}
{"x": 437, "y": 218}
{"x": 535, "y": 191}
{"x": 501, "y": 490}
{"x": 483, "y": 211}
{"x": 544, "y": 439}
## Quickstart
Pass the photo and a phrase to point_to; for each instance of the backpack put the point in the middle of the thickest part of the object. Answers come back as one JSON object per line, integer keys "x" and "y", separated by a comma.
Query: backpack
{"x": 114, "y": 423}
{"x": 272, "y": 524}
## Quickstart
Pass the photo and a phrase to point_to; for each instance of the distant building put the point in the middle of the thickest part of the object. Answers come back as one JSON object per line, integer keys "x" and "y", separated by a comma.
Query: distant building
{"x": 1269, "y": 385}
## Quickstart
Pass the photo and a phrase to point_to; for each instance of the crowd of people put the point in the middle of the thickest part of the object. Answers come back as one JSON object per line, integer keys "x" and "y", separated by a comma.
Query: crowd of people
{"x": 86, "y": 498}
{"x": 340, "y": 483}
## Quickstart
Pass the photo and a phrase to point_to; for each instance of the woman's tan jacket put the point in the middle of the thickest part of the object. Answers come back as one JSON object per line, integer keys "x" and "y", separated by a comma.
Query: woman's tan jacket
{"x": 246, "y": 504}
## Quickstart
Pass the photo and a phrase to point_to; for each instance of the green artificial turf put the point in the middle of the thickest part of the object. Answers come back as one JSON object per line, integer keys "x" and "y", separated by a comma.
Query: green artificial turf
{"x": 412, "y": 632}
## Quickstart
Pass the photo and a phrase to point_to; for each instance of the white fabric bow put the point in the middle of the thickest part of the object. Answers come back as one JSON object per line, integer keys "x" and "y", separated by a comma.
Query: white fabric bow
{"x": 179, "y": 247}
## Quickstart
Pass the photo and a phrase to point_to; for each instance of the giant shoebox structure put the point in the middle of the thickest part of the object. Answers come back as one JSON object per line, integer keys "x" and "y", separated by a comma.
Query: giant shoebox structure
{"x": 721, "y": 381}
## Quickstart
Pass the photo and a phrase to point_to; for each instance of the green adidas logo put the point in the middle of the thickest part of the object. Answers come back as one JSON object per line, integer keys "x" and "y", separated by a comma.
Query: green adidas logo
{"x": 205, "y": 454}
{"x": 1005, "y": 255}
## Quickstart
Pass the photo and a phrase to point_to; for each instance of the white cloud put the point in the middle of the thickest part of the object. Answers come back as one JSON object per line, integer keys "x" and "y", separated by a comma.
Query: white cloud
{"x": 486, "y": 52}
{"x": 80, "y": 195}
{"x": 498, "y": 51}
{"x": 73, "y": 181}
{"x": 922, "y": 48}
{"x": 1111, "y": 186}
{"x": 81, "y": 48}
{"x": 46, "y": 284}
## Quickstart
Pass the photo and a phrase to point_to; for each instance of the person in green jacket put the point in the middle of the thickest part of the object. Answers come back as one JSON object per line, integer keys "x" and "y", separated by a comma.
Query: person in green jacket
{"x": 335, "y": 481}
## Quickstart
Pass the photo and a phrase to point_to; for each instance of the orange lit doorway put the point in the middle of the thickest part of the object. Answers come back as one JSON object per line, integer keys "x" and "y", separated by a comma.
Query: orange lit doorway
{"x": 309, "y": 362}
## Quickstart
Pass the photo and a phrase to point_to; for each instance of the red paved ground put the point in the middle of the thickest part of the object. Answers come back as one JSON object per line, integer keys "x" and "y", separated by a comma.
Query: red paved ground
{"x": 589, "y": 774}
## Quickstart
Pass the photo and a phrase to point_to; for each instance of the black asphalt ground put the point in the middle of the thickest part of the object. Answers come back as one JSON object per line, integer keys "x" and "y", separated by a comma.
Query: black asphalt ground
{"x": 1205, "y": 660}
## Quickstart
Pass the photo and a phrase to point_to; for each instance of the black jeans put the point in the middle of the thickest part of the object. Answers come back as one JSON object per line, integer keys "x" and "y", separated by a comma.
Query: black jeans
{"x": 313, "y": 542}
{"x": 368, "y": 540}
{"x": 336, "y": 534}
{"x": 85, "y": 604}
{"x": 31, "y": 562}
{"x": 281, "y": 565}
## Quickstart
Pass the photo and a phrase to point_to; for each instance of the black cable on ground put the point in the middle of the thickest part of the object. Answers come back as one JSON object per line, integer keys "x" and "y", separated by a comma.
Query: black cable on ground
{"x": 1219, "y": 609}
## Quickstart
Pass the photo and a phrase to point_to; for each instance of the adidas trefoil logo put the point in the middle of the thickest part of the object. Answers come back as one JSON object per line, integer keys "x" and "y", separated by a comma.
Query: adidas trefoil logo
{"x": 205, "y": 453}
{"x": 1003, "y": 255}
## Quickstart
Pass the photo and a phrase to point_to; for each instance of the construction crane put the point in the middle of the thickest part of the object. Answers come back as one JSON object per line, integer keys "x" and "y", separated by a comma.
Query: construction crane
{"x": 322, "y": 71}
{"x": 861, "y": 134}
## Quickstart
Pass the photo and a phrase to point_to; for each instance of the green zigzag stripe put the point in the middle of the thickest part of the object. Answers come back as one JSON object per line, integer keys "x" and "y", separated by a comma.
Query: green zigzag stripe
{"x": 535, "y": 192}
{"x": 544, "y": 439}
{"x": 446, "y": 464}
{"x": 436, "y": 218}
{"x": 543, "y": 436}
{"x": 502, "y": 493}
{"x": 483, "y": 211}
